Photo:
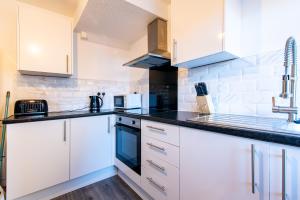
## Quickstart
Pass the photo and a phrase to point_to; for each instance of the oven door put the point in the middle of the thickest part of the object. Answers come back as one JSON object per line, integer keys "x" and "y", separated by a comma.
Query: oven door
{"x": 128, "y": 146}
{"x": 119, "y": 101}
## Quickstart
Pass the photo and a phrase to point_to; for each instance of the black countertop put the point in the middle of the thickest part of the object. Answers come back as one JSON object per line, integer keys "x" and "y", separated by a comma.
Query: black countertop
{"x": 259, "y": 128}
{"x": 55, "y": 115}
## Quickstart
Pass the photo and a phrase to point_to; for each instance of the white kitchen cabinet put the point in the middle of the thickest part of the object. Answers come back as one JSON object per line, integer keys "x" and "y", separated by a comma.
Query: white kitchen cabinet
{"x": 37, "y": 156}
{"x": 160, "y": 131}
{"x": 160, "y": 160}
{"x": 44, "y": 42}
{"x": 291, "y": 174}
{"x": 216, "y": 167}
{"x": 205, "y": 32}
{"x": 159, "y": 177}
{"x": 91, "y": 144}
{"x": 161, "y": 150}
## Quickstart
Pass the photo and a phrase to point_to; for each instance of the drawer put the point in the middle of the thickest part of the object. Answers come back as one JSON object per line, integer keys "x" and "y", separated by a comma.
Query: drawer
{"x": 163, "y": 132}
{"x": 161, "y": 186}
{"x": 160, "y": 150}
{"x": 158, "y": 166}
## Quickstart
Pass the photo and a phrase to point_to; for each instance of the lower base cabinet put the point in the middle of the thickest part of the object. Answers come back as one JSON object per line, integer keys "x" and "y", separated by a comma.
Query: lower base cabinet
{"x": 220, "y": 167}
{"x": 160, "y": 160}
{"x": 159, "y": 178}
{"x": 91, "y": 145}
{"x": 46, "y": 153}
{"x": 37, "y": 156}
{"x": 284, "y": 172}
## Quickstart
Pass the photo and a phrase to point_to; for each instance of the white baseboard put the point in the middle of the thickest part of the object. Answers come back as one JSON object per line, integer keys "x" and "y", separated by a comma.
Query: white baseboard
{"x": 137, "y": 188}
{"x": 71, "y": 185}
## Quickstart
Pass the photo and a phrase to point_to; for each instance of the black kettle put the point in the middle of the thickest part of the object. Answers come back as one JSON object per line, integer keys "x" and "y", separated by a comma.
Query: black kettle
{"x": 96, "y": 102}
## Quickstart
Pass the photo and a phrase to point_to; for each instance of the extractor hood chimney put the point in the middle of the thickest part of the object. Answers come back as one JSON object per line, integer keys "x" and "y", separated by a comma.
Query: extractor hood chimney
{"x": 158, "y": 54}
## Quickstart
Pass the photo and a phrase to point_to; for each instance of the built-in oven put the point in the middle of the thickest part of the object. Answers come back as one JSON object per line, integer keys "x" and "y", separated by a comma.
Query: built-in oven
{"x": 128, "y": 142}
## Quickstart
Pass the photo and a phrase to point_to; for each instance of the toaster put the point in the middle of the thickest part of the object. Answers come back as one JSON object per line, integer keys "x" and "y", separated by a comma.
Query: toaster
{"x": 31, "y": 107}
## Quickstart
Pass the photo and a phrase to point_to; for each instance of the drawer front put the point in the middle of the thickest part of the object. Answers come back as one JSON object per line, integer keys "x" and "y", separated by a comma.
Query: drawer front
{"x": 160, "y": 150}
{"x": 158, "y": 166}
{"x": 161, "y": 186}
{"x": 163, "y": 132}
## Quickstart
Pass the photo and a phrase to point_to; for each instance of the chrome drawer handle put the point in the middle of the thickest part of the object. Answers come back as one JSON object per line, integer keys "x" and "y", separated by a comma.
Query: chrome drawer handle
{"x": 108, "y": 124}
{"x": 157, "y": 129}
{"x": 253, "y": 168}
{"x": 160, "y": 187}
{"x": 156, "y": 147}
{"x": 156, "y": 165}
{"x": 67, "y": 62}
{"x": 65, "y": 131}
{"x": 284, "y": 157}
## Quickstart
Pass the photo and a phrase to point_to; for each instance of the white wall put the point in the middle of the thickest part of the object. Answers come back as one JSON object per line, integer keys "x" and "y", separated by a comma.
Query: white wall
{"x": 140, "y": 76}
{"x": 100, "y": 62}
{"x": 268, "y": 23}
{"x": 8, "y": 45}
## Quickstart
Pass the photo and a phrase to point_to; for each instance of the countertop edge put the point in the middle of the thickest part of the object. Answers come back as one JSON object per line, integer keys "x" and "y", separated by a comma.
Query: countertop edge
{"x": 17, "y": 121}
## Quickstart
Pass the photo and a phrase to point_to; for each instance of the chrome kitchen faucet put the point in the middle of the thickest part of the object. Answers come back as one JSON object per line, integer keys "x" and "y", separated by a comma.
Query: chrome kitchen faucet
{"x": 289, "y": 81}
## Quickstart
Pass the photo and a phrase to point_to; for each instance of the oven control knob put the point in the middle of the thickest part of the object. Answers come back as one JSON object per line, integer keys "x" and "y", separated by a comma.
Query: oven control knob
{"x": 120, "y": 118}
{"x": 133, "y": 122}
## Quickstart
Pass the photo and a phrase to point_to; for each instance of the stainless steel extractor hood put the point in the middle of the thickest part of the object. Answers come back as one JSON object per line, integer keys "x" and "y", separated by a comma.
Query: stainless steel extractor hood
{"x": 158, "y": 54}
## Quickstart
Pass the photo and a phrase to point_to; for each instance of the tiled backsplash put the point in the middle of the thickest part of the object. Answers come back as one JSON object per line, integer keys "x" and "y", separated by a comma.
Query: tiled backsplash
{"x": 68, "y": 93}
{"x": 243, "y": 86}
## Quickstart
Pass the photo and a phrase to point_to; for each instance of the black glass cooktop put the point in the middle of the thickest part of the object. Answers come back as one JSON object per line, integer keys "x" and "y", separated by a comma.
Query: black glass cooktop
{"x": 142, "y": 111}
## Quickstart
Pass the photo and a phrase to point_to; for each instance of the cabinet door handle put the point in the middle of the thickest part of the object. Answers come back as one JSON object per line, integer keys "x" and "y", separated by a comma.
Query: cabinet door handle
{"x": 154, "y": 128}
{"x": 108, "y": 124}
{"x": 67, "y": 62}
{"x": 65, "y": 131}
{"x": 174, "y": 50}
{"x": 284, "y": 156}
{"x": 156, "y": 147}
{"x": 160, "y": 187}
{"x": 253, "y": 167}
{"x": 156, "y": 165}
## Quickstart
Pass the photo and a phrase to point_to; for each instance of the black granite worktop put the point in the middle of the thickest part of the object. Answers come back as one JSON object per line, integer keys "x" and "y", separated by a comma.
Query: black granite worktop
{"x": 259, "y": 128}
{"x": 55, "y": 115}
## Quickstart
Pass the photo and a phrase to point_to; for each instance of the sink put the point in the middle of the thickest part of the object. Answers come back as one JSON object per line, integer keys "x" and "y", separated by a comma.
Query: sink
{"x": 248, "y": 122}
{"x": 290, "y": 127}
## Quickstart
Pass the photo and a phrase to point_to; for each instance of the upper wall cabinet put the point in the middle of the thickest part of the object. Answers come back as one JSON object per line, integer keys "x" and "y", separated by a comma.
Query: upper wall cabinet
{"x": 205, "y": 32}
{"x": 44, "y": 42}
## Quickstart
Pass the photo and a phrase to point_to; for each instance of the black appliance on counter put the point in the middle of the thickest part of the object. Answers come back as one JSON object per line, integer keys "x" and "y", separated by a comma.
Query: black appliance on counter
{"x": 31, "y": 107}
{"x": 128, "y": 142}
{"x": 96, "y": 102}
{"x": 163, "y": 86}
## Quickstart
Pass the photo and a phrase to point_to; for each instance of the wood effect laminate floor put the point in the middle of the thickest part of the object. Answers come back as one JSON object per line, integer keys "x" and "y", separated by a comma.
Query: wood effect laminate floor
{"x": 113, "y": 188}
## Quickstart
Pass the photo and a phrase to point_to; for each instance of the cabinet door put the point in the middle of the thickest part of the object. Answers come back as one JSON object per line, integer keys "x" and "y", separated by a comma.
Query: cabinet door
{"x": 37, "y": 156}
{"x": 219, "y": 167}
{"x": 197, "y": 27}
{"x": 44, "y": 41}
{"x": 91, "y": 145}
{"x": 289, "y": 178}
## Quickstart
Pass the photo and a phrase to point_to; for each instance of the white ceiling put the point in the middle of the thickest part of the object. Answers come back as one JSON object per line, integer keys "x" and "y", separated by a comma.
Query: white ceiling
{"x": 65, "y": 7}
{"x": 114, "y": 22}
